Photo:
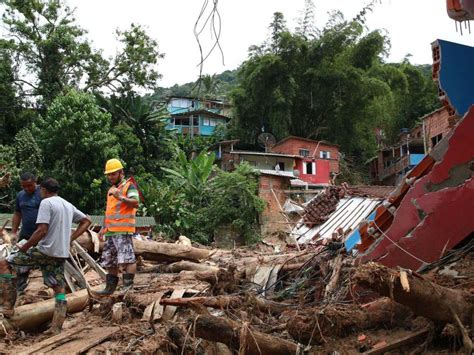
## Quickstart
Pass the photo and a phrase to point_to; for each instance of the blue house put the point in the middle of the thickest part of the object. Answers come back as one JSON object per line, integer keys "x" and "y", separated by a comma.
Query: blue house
{"x": 196, "y": 117}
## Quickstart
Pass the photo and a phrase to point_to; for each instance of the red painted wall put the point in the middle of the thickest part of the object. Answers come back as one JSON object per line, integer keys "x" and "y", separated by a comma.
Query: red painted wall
{"x": 437, "y": 212}
{"x": 322, "y": 171}
{"x": 292, "y": 146}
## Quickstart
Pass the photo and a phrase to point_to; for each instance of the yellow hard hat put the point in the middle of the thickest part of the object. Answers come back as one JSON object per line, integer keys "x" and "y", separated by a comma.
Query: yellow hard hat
{"x": 112, "y": 166}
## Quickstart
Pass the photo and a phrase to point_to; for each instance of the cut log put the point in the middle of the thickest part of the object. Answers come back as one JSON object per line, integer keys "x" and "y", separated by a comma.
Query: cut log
{"x": 224, "y": 302}
{"x": 336, "y": 272}
{"x": 31, "y": 316}
{"x": 150, "y": 250}
{"x": 314, "y": 325}
{"x": 241, "y": 337}
{"x": 186, "y": 266}
{"x": 180, "y": 339}
{"x": 425, "y": 298}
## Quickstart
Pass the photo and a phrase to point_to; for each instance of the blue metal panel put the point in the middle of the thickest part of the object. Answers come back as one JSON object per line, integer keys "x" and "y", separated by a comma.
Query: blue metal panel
{"x": 354, "y": 238}
{"x": 415, "y": 159}
{"x": 456, "y": 75}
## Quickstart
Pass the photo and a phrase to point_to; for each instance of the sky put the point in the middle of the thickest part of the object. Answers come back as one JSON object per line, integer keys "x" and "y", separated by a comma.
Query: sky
{"x": 412, "y": 26}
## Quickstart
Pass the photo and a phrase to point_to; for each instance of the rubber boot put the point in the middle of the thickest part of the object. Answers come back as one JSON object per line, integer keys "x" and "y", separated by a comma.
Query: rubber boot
{"x": 9, "y": 297}
{"x": 127, "y": 282}
{"x": 111, "y": 282}
{"x": 59, "y": 316}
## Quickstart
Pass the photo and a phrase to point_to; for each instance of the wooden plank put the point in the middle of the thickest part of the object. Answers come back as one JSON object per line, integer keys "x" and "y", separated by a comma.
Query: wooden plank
{"x": 399, "y": 343}
{"x": 89, "y": 260}
{"x": 261, "y": 276}
{"x": 272, "y": 279}
{"x": 154, "y": 311}
{"x": 71, "y": 271}
{"x": 171, "y": 310}
{"x": 56, "y": 339}
{"x": 78, "y": 341}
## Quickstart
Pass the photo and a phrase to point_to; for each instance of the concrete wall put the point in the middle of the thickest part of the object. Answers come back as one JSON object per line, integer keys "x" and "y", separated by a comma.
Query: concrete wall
{"x": 321, "y": 175}
{"x": 293, "y": 146}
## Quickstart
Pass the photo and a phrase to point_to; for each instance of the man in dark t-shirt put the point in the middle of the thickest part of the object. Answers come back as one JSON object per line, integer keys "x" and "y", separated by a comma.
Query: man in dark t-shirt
{"x": 26, "y": 211}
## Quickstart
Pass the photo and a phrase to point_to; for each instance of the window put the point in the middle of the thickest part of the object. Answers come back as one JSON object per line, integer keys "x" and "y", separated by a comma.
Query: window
{"x": 195, "y": 120}
{"x": 309, "y": 168}
{"x": 281, "y": 166}
{"x": 435, "y": 140}
{"x": 304, "y": 152}
{"x": 181, "y": 121}
{"x": 213, "y": 122}
{"x": 206, "y": 121}
{"x": 324, "y": 154}
{"x": 181, "y": 103}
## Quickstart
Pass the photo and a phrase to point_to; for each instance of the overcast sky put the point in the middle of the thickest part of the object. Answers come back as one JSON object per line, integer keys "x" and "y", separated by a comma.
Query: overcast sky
{"x": 411, "y": 24}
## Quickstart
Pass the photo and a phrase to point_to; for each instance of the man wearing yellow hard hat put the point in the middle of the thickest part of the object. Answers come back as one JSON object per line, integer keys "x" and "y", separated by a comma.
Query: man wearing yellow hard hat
{"x": 118, "y": 228}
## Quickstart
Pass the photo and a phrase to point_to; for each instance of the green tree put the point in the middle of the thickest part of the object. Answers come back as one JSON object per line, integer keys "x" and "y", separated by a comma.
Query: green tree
{"x": 333, "y": 87}
{"x": 76, "y": 139}
{"x": 147, "y": 124}
{"x": 27, "y": 152}
{"x": 306, "y": 26}
{"x": 56, "y": 54}
{"x": 9, "y": 102}
{"x": 276, "y": 27}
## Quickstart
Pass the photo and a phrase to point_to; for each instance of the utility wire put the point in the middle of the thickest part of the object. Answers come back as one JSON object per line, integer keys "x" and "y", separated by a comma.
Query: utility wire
{"x": 214, "y": 21}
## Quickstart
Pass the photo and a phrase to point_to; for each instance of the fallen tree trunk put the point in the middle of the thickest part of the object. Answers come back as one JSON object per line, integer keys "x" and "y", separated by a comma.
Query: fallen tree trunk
{"x": 31, "y": 316}
{"x": 150, "y": 250}
{"x": 185, "y": 265}
{"x": 223, "y": 302}
{"x": 179, "y": 338}
{"x": 314, "y": 325}
{"x": 424, "y": 297}
{"x": 241, "y": 337}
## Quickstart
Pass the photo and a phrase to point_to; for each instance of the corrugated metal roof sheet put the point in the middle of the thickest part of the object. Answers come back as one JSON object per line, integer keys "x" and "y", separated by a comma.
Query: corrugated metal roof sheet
{"x": 349, "y": 213}
{"x": 141, "y": 222}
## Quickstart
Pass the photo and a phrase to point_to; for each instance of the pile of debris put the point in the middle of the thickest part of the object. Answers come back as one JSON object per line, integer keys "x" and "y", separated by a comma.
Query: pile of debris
{"x": 193, "y": 300}
{"x": 320, "y": 208}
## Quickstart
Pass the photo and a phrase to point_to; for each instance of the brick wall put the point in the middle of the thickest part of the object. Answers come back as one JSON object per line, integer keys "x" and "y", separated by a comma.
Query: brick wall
{"x": 271, "y": 219}
{"x": 436, "y": 124}
{"x": 293, "y": 146}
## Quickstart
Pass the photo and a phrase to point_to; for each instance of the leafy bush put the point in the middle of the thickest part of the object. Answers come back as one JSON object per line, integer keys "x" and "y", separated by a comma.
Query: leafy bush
{"x": 196, "y": 198}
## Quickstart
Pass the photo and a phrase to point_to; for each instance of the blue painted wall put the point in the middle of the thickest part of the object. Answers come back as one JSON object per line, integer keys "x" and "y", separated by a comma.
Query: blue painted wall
{"x": 456, "y": 75}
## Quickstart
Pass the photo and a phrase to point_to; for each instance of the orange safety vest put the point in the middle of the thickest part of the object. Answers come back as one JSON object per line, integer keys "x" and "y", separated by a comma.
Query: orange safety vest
{"x": 119, "y": 217}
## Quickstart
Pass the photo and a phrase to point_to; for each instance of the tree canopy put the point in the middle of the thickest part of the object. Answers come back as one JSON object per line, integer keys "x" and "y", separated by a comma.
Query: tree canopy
{"x": 333, "y": 85}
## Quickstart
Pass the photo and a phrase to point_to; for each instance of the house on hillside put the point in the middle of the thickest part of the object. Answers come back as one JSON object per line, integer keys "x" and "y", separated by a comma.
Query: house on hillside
{"x": 307, "y": 162}
{"x": 196, "y": 117}
{"x": 315, "y": 161}
{"x": 394, "y": 161}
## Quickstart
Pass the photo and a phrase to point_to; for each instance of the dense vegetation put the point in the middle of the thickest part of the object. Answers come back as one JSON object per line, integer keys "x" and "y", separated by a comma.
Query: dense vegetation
{"x": 330, "y": 83}
{"x": 65, "y": 109}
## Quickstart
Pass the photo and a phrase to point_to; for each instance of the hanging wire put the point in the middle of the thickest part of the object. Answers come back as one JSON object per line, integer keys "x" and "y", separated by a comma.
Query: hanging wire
{"x": 214, "y": 21}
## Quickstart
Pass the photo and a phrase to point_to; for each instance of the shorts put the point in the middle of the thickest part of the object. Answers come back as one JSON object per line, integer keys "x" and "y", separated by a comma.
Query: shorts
{"x": 51, "y": 268}
{"x": 118, "y": 249}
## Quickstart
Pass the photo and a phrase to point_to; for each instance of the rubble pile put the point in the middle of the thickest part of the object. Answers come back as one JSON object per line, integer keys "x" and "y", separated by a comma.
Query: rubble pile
{"x": 256, "y": 301}
{"x": 320, "y": 208}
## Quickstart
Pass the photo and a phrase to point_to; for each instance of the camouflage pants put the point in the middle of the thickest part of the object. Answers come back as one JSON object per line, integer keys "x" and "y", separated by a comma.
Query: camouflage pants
{"x": 118, "y": 250}
{"x": 51, "y": 268}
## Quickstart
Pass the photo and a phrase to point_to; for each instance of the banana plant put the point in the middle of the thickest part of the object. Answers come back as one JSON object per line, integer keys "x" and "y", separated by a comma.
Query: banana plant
{"x": 192, "y": 174}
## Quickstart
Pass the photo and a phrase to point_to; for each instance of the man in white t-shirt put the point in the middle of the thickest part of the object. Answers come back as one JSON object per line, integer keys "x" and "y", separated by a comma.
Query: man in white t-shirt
{"x": 47, "y": 249}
